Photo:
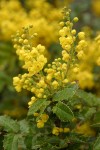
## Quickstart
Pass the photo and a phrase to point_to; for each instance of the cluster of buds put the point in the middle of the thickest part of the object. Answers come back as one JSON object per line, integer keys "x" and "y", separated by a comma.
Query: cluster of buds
{"x": 57, "y": 130}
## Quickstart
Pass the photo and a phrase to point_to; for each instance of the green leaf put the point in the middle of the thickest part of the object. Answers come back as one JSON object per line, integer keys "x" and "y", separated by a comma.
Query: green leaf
{"x": 36, "y": 106}
{"x": 88, "y": 98}
{"x": 28, "y": 141}
{"x": 43, "y": 109}
{"x": 53, "y": 140}
{"x": 97, "y": 144}
{"x": 24, "y": 126}
{"x": 96, "y": 120}
{"x": 11, "y": 142}
{"x": 9, "y": 124}
{"x": 21, "y": 143}
{"x": 37, "y": 141}
{"x": 63, "y": 112}
{"x": 65, "y": 94}
{"x": 90, "y": 112}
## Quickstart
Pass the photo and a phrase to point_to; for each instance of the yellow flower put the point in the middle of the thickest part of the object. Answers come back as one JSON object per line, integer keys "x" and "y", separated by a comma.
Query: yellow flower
{"x": 30, "y": 103}
{"x": 40, "y": 124}
{"x": 79, "y": 106}
{"x": 36, "y": 114}
{"x": 16, "y": 80}
{"x": 44, "y": 117}
{"x": 55, "y": 84}
{"x": 65, "y": 81}
{"x": 81, "y": 35}
{"x": 75, "y": 19}
{"x": 76, "y": 70}
{"x": 80, "y": 54}
{"x": 61, "y": 130}
{"x": 66, "y": 130}
{"x": 85, "y": 129}
{"x": 17, "y": 83}
{"x": 73, "y": 31}
{"x": 65, "y": 56}
{"x": 55, "y": 131}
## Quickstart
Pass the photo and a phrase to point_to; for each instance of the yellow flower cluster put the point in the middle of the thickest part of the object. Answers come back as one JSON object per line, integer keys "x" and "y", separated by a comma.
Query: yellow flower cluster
{"x": 44, "y": 81}
{"x": 72, "y": 44}
{"x": 85, "y": 129}
{"x": 42, "y": 15}
{"x": 42, "y": 120}
{"x": 57, "y": 130}
{"x": 91, "y": 58}
{"x": 12, "y": 17}
{"x": 33, "y": 57}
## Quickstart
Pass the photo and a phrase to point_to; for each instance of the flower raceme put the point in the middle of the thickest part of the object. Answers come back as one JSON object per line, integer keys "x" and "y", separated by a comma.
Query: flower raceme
{"x": 43, "y": 79}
